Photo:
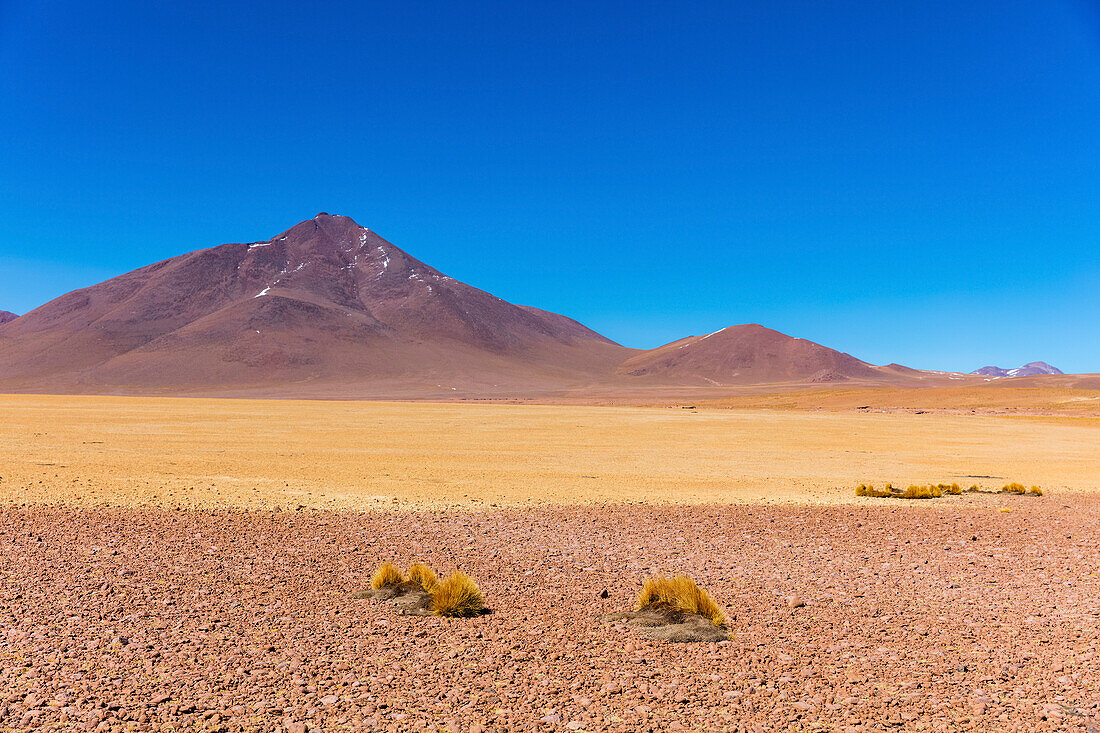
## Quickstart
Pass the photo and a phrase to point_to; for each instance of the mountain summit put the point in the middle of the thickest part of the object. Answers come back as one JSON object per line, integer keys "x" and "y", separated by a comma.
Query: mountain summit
{"x": 6, "y": 316}
{"x": 1027, "y": 370}
{"x": 326, "y": 302}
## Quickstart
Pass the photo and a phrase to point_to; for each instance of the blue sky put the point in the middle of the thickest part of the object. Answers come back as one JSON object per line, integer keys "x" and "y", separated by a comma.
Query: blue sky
{"x": 909, "y": 182}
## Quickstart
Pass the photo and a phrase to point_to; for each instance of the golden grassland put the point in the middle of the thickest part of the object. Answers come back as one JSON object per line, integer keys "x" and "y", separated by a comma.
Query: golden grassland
{"x": 371, "y": 455}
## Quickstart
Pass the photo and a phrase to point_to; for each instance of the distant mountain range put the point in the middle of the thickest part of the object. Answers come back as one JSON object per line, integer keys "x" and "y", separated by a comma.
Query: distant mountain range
{"x": 330, "y": 309}
{"x": 6, "y": 316}
{"x": 1027, "y": 370}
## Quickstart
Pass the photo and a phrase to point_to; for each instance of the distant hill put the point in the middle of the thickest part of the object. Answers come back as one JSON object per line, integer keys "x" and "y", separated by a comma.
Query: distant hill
{"x": 6, "y": 316}
{"x": 750, "y": 354}
{"x": 1027, "y": 370}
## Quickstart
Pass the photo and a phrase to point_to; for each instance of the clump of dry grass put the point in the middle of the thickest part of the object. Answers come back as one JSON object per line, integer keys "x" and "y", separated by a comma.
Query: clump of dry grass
{"x": 422, "y": 575}
{"x": 385, "y": 576}
{"x": 934, "y": 491}
{"x": 918, "y": 492}
{"x": 457, "y": 595}
{"x": 869, "y": 490}
{"x": 681, "y": 593}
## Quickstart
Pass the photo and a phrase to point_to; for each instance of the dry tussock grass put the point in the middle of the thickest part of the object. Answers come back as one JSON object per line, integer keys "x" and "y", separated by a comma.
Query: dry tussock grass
{"x": 422, "y": 575}
{"x": 457, "y": 595}
{"x": 680, "y": 592}
{"x": 917, "y": 492}
{"x": 934, "y": 491}
{"x": 385, "y": 576}
{"x": 870, "y": 490}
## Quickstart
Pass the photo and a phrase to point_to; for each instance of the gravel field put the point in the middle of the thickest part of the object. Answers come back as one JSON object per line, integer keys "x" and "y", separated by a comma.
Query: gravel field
{"x": 948, "y": 615}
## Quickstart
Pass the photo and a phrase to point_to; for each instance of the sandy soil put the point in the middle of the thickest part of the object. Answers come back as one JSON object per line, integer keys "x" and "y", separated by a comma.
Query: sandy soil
{"x": 947, "y": 616}
{"x": 983, "y": 400}
{"x": 369, "y": 455}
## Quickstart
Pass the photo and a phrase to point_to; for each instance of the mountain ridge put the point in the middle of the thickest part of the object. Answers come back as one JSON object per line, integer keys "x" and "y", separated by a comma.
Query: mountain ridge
{"x": 1030, "y": 369}
{"x": 330, "y": 309}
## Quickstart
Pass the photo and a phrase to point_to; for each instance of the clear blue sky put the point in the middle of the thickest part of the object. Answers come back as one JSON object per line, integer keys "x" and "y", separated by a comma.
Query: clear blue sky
{"x": 912, "y": 182}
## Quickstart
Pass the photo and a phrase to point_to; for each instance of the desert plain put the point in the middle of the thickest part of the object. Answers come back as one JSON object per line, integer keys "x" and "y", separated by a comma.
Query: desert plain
{"x": 189, "y": 564}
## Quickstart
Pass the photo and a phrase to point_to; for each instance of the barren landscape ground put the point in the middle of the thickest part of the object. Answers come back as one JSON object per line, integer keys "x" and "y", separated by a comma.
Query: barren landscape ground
{"x": 146, "y": 582}
{"x": 366, "y": 455}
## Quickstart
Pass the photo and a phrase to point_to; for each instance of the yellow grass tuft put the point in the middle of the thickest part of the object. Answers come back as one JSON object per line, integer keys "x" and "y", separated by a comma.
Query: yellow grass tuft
{"x": 386, "y": 575}
{"x": 869, "y": 490}
{"x": 680, "y": 592}
{"x": 1035, "y": 490}
{"x": 954, "y": 489}
{"x": 457, "y": 595}
{"x": 1013, "y": 488}
{"x": 422, "y": 575}
{"x": 917, "y": 492}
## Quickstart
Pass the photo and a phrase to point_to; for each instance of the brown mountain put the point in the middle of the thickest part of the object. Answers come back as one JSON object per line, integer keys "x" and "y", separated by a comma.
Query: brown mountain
{"x": 750, "y": 354}
{"x": 330, "y": 309}
{"x": 327, "y": 308}
{"x": 6, "y": 316}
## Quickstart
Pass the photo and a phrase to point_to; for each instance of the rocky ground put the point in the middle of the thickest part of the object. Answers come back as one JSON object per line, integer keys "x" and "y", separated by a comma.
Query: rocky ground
{"x": 944, "y": 616}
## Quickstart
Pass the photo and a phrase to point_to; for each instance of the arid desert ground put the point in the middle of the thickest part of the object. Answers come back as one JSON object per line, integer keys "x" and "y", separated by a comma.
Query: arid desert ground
{"x": 185, "y": 564}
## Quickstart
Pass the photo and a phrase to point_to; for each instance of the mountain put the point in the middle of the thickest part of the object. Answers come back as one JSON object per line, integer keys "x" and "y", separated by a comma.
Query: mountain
{"x": 1027, "y": 370}
{"x": 326, "y": 308}
{"x": 329, "y": 309}
{"x": 749, "y": 354}
{"x": 6, "y": 316}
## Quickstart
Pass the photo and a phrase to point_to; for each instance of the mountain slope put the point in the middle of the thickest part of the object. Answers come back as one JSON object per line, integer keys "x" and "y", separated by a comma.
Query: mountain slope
{"x": 6, "y": 316}
{"x": 748, "y": 354}
{"x": 327, "y": 305}
{"x": 1027, "y": 370}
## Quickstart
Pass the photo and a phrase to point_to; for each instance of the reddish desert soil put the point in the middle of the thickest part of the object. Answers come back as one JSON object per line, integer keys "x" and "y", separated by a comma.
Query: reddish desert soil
{"x": 949, "y": 615}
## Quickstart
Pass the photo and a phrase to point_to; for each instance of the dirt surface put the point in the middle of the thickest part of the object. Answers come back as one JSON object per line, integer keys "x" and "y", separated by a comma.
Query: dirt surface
{"x": 993, "y": 399}
{"x": 943, "y": 616}
{"x": 370, "y": 455}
